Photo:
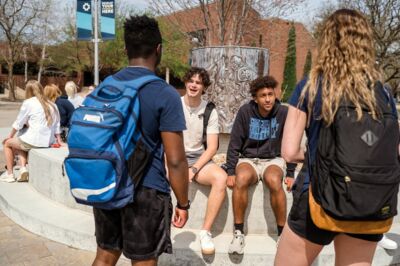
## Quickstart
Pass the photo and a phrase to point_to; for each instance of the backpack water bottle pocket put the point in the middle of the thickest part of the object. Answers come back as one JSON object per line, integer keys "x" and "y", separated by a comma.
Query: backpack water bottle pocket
{"x": 92, "y": 179}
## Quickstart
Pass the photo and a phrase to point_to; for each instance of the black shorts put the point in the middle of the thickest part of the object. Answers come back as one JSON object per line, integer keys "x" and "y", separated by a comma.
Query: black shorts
{"x": 301, "y": 223}
{"x": 141, "y": 230}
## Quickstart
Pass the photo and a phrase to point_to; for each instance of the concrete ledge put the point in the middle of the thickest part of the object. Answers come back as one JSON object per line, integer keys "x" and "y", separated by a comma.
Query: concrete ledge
{"x": 28, "y": 208}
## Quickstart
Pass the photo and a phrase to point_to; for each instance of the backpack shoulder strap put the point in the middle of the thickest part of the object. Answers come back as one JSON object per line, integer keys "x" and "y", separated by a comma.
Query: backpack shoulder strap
{"x": 386, "y": 92}
{"x": 207, "y": 113}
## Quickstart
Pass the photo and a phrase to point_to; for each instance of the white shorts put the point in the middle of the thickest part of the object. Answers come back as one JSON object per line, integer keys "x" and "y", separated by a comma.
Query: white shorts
{"x": 260, "y": 165}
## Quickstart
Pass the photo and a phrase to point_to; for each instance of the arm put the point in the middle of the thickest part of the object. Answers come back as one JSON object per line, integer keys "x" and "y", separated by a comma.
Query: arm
{"x": 212, "y": 141}
{"x": 235, "y": 144}
{"x": 212, "y": 147}
{"x": 234, "y": 149}
{"x": 178, "y": 174}
{"x": 22, "y": 117}
{"x": 292, "y": 135}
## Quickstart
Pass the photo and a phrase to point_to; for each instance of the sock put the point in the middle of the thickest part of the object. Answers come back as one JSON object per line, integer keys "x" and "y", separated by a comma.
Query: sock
{"x": 280, "y": 228}
{"x": 239, "y": 227}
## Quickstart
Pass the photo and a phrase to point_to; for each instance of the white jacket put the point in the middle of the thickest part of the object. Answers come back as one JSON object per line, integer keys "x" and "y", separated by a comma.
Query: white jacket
{"x": 32, "y": 114}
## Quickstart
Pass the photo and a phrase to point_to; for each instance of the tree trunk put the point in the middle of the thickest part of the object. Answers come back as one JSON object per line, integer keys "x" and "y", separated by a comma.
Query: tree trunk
{"x": 42, "y": 62}
{"x": 10, "y": 83}
{"x": 26, "y": 65}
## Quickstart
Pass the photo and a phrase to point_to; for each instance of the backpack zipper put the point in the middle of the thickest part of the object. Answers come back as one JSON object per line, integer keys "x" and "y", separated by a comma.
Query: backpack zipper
{"x": 347, "y": 181}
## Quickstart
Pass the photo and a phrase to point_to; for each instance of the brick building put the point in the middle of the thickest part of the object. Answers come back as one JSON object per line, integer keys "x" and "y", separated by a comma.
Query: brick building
{"x": 271, "y": 33}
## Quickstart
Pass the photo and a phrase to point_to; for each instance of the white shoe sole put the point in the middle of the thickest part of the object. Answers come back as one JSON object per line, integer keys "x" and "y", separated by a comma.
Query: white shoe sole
{"x": 8, "y": 180}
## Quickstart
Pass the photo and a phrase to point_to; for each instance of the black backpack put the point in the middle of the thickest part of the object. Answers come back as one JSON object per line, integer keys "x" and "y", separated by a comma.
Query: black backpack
{"x": 206, "y": 116}
{"x": 356, "y": 172}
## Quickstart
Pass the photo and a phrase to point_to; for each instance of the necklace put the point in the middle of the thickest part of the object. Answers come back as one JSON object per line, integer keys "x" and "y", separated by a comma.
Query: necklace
{"x": 191, "y": 110}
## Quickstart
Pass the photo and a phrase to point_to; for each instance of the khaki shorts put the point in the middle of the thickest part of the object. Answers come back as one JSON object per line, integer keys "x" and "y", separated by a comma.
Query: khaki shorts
{"x": 25, "y": 146}
{"x": 260, "y": 165}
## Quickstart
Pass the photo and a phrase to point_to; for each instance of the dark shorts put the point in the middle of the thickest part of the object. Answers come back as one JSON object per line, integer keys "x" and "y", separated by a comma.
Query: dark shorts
{"x": 141, "y": 230}
{"x": 301, "y": 223}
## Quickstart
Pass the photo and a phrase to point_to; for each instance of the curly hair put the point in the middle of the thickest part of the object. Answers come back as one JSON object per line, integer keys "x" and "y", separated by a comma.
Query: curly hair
{"x": 203, "y": 74}
{"x": 261, "y": 83}
{"x": 142, "y": 36}
{"x": 345, "y": 67}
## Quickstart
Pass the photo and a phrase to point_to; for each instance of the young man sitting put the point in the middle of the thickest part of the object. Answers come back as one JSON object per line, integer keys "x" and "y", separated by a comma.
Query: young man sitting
{"x": 199, "y": 151}
{"x": 254, "y": 154}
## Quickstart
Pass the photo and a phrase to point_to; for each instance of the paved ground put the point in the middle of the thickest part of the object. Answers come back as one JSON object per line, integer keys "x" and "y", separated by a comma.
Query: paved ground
{"x": 21, "y": 248}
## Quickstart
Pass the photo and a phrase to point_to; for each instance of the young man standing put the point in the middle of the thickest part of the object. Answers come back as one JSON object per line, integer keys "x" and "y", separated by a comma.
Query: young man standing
{"x": 199, "y": 154}
{"x": 254, "y": 154}
{"x": 141, "y": 230}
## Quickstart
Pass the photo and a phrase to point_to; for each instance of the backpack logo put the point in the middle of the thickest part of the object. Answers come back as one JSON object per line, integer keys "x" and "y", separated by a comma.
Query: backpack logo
{"x": 94, "y": 118}
{"x": 369, "y": 138}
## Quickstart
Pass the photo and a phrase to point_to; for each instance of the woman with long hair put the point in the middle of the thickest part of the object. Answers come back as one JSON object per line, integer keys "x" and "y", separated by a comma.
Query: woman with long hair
{"x": 42, "y": 122}
{"x": 65, "y": 107}
{"x": 345, "y": 68}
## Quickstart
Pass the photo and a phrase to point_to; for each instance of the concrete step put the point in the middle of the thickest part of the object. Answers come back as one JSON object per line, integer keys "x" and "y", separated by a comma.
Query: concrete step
{"x": 73, "y": 227}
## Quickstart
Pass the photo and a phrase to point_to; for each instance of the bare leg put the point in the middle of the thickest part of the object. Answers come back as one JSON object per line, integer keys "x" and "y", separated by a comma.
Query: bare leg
{"x": 245, "y": 176}
{"x": 361, "y": 251}
{"x": 273, "y": 179}
{"x": 10, "y": 148}
{"x": 106, "y": 257}
{"x": 212, "y": 175}
{"x": 295, "y": 250}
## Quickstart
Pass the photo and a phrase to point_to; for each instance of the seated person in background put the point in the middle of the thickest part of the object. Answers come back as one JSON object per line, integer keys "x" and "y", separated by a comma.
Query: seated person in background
{"x": 71, "y": 90}
{"x": 43, "y": 129}
{"x": 254, "y": 154}
{"x": 199, "y": 151}
{"x": 65, "y": 107}
{"x": 85, "y": 91}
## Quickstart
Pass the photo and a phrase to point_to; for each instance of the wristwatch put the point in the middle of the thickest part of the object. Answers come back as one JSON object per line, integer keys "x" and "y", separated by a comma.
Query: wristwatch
{"x": 194, "y": 170}
{"x": 185, "y": 208}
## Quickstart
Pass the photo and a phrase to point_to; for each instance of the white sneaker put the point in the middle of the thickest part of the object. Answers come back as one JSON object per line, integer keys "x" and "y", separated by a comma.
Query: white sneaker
{"x": 207, "y": 245}
{"x": 23, "y": 174}
{"x": 237, "y": 244}
{"x": 6, "y": 177}
{"x": 386, "y": 243}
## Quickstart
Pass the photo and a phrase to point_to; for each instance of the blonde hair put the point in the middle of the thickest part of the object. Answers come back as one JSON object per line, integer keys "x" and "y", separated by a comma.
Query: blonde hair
{"x": 70, "y": 89}
{"x": 34, "y": 89}
{"x": 345, "y": 67}
{"x": 52, "y": 92}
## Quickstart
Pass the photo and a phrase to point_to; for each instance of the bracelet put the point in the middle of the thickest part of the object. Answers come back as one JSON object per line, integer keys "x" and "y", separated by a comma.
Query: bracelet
{"x": 185, "y": 208}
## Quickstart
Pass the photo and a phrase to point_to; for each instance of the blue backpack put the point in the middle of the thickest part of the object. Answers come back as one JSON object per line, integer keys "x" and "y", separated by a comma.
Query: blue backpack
{"x": 107, "y": 156}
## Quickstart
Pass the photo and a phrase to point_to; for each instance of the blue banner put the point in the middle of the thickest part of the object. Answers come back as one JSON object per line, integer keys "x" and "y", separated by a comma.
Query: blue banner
{"x": 107, "y": 9}
{"x": 84, "y": 20}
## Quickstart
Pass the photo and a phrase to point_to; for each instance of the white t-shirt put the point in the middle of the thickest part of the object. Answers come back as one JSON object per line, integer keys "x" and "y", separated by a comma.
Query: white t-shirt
{"x": 193, "y": 134}
{"x": 38, "y": 133}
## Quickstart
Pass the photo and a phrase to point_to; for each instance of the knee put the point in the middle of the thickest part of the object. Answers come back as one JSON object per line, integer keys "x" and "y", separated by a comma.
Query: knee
{"x": 273, "y": 182}
{"x": 219, "y": 180}
{"x": 242, "y": 181}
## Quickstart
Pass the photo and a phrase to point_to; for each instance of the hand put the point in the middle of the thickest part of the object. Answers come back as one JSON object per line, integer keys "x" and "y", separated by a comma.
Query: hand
{"x": 191, "y": 175}
{"x": 289, "y": 181}
{"x": 230, "y": 181}
{"x": 180, "y": 218}
{"x": 62, "y": 144}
